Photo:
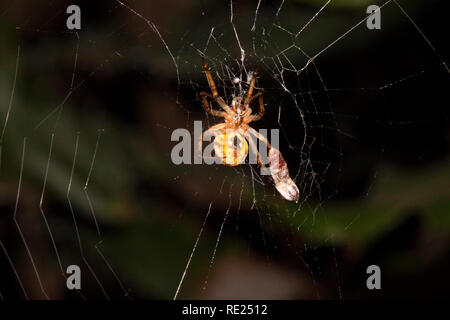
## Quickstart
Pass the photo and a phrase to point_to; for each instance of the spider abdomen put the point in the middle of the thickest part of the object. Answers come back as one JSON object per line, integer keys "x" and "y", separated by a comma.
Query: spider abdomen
{"x": 231, "y": 147}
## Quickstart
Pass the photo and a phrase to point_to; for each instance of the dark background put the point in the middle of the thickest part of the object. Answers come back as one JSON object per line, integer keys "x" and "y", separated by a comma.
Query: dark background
{"x": 374, "y": 172}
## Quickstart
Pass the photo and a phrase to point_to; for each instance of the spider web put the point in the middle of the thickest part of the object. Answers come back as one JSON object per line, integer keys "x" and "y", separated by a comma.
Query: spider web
{"x": 303, "y": 100}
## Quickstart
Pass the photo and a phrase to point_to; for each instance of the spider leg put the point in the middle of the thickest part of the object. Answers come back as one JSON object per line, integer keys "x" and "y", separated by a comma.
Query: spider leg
{"x": 258, "y": 116}
{"x": 223, "y": 104}
{"x": 253, "y": 146}
{"x": 212, "y": 85}
{"x": 258, "y": 135}
{"x": 207, "y": 106}
{"x": 250, "y": 131}
{"x": 248, "y": 96}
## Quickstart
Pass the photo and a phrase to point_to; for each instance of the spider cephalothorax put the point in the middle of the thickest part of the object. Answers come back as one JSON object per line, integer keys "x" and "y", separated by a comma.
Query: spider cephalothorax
{"x": 231, "y": 136}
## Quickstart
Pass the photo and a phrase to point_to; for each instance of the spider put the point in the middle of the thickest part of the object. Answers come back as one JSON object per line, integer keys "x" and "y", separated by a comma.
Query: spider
{"x": 231, "y": 136}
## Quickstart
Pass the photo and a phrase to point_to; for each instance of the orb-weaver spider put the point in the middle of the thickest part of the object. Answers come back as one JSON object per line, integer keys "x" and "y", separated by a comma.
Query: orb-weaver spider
{"x": 230, "y": 143}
